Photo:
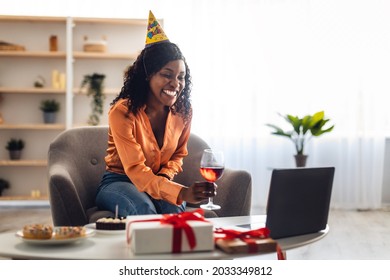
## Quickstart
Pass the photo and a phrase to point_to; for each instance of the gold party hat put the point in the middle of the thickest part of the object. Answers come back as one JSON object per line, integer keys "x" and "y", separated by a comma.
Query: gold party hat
{"x": 155, "y": 33}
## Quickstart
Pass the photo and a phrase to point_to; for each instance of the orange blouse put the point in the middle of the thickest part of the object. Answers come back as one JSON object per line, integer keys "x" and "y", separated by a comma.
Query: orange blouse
{"x": 134, "y": 151}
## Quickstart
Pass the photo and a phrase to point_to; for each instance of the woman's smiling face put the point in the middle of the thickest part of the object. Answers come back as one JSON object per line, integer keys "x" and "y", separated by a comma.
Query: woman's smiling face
{"x": 167, "y": 84}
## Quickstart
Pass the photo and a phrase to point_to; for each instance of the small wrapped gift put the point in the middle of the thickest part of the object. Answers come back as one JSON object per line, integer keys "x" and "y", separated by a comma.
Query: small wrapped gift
{"x": 252, "y": 241}
{"x": 171, "y": 233}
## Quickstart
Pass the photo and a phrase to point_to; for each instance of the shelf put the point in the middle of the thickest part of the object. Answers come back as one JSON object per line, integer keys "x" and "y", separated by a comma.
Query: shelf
{"x": 103, "y": 55}
{"x": 33, "y": 126}
{"x": 33, "y": 54}
{"x": 11, "y": 90}
{"x": 24, "y": 201}
{"x": 32, "y": 163}
{"x": 78, "y": 55}
{"x": 20, "y": 69}
{"x": 24, "y": 197}
{"x": 107, "y": 91}
{"x": 32, "y": 19}
{"x": 32, "y": 90}
{"x": 116, "y": 21}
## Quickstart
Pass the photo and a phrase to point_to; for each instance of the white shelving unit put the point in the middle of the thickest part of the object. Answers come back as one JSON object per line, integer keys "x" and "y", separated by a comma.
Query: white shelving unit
{"x": 20, "y": 99}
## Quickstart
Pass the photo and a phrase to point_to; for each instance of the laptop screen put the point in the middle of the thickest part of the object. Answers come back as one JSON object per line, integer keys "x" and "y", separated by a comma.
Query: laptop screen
{"x": 299, "y": 200}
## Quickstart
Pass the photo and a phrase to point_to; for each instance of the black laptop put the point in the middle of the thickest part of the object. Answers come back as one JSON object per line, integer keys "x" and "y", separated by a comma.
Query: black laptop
{"x": 298, "y": 201}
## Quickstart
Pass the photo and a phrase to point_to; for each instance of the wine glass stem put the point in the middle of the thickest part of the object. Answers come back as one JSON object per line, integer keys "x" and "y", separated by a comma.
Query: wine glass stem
{"x": 211, "y": 198}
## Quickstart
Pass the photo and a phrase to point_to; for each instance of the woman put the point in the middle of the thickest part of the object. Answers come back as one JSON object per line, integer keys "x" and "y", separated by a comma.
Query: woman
{"x": 149, "y": 126}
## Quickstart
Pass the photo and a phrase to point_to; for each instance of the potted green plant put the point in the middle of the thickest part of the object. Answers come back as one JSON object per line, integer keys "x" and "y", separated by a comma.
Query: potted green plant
{"x": 49, "y": 107}
{"x": 4, "y": 184}
{"x": 94, "y": 85}
{"x": 303, "y": 129}
{"x": 15, "y": 147}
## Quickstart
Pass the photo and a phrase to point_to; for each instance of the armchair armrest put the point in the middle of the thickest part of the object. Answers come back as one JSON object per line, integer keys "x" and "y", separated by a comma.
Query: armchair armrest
{"x": 62, "y": 191}
{"x": 234, "y": 193}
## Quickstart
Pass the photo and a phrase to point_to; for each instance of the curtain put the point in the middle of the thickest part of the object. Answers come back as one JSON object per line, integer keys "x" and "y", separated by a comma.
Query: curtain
{"x": 253, "y": 59}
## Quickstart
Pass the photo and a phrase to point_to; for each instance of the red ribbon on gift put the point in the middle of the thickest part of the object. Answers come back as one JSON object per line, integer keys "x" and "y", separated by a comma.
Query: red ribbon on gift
{"x": 179, "y": 223}
{"x": 249, "y": 237}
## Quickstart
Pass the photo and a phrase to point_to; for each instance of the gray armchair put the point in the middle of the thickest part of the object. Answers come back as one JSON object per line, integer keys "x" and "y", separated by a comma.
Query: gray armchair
{"x": 76, "y": 164}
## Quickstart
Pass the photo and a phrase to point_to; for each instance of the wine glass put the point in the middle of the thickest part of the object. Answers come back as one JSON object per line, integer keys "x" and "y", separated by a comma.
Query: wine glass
{"x": 212, "y": 165}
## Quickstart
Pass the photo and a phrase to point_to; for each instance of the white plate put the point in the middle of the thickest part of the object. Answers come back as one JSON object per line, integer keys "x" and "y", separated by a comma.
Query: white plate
{"x": 102, "y": 231}
{"x": 53, "y": 241}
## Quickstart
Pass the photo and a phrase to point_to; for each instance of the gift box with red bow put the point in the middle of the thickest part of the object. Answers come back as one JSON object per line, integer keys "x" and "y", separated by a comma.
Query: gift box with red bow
{"x": 170, "y": 233}
{"x": 252, "y": 241}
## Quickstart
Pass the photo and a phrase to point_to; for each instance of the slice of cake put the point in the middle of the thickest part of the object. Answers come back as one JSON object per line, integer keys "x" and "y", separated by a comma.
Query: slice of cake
{"x": 65, "y": 232}
{"x": 111, "y": 223}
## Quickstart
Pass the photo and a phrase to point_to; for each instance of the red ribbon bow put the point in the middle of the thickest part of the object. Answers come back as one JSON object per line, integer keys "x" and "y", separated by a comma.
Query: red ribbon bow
{"x": 179, "y": 223}
{"x": 249, "y": 237}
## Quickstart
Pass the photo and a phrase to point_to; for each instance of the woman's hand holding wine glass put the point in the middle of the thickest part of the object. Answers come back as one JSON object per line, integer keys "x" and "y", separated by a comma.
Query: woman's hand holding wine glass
{"x": 211, "y": 168}
{"x": 212, "y": 165}
{"x": 197, "y": 192}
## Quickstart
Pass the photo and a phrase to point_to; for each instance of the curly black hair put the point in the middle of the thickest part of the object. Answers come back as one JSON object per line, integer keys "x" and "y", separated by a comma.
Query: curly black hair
{"x": 136, "y": 81}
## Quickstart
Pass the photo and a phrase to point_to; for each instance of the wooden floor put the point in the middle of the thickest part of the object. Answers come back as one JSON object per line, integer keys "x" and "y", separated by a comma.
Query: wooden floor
{"x": 353, "y": 235}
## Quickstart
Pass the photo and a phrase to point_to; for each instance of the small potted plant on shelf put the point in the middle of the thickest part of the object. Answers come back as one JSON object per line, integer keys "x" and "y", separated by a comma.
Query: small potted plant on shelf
{"x": 49, "y": 107}
{"x": 15, "y": 147}
{"x": 94, "y": 86}
{"x": 4, "y": 184}
{"x": 303, "y": 129}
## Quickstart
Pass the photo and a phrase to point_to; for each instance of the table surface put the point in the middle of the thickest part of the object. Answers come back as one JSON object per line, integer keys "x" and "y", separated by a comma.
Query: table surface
{"x": 103, "y": 246}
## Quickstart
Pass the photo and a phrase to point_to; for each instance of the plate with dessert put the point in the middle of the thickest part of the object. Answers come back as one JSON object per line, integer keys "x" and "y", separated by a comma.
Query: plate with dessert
{"x": 109, "y": 226}
{"x": 49, "y": 235}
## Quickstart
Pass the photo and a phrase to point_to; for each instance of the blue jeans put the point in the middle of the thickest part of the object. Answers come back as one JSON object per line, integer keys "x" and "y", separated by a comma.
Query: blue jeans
{"x": 117, "y": 189}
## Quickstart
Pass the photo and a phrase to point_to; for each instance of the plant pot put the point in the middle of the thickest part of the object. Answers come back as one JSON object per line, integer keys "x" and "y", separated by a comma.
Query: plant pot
{"x": 300, "y": 160}
{"x": 15, "y": 154}
{"x": 49, "y": 117}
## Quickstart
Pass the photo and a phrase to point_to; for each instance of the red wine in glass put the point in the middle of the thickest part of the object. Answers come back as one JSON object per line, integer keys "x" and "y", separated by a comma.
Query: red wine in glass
{"x": 211, "y": 174}
{"x": 212, "y": 166}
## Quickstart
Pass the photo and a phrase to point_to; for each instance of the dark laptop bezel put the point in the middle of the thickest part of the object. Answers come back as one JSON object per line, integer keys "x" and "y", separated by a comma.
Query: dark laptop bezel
{"x": 299, "y": 201}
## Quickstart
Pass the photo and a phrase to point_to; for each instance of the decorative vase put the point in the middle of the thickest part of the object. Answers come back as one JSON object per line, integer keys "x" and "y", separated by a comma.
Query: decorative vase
{"x": 49, "y": 117}
{"x": 300, "y": 160}
{"x": 15, "y": 154}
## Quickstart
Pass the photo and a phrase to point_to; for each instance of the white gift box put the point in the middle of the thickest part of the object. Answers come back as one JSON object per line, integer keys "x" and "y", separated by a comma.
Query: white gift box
{"x": 147, "y": 237}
